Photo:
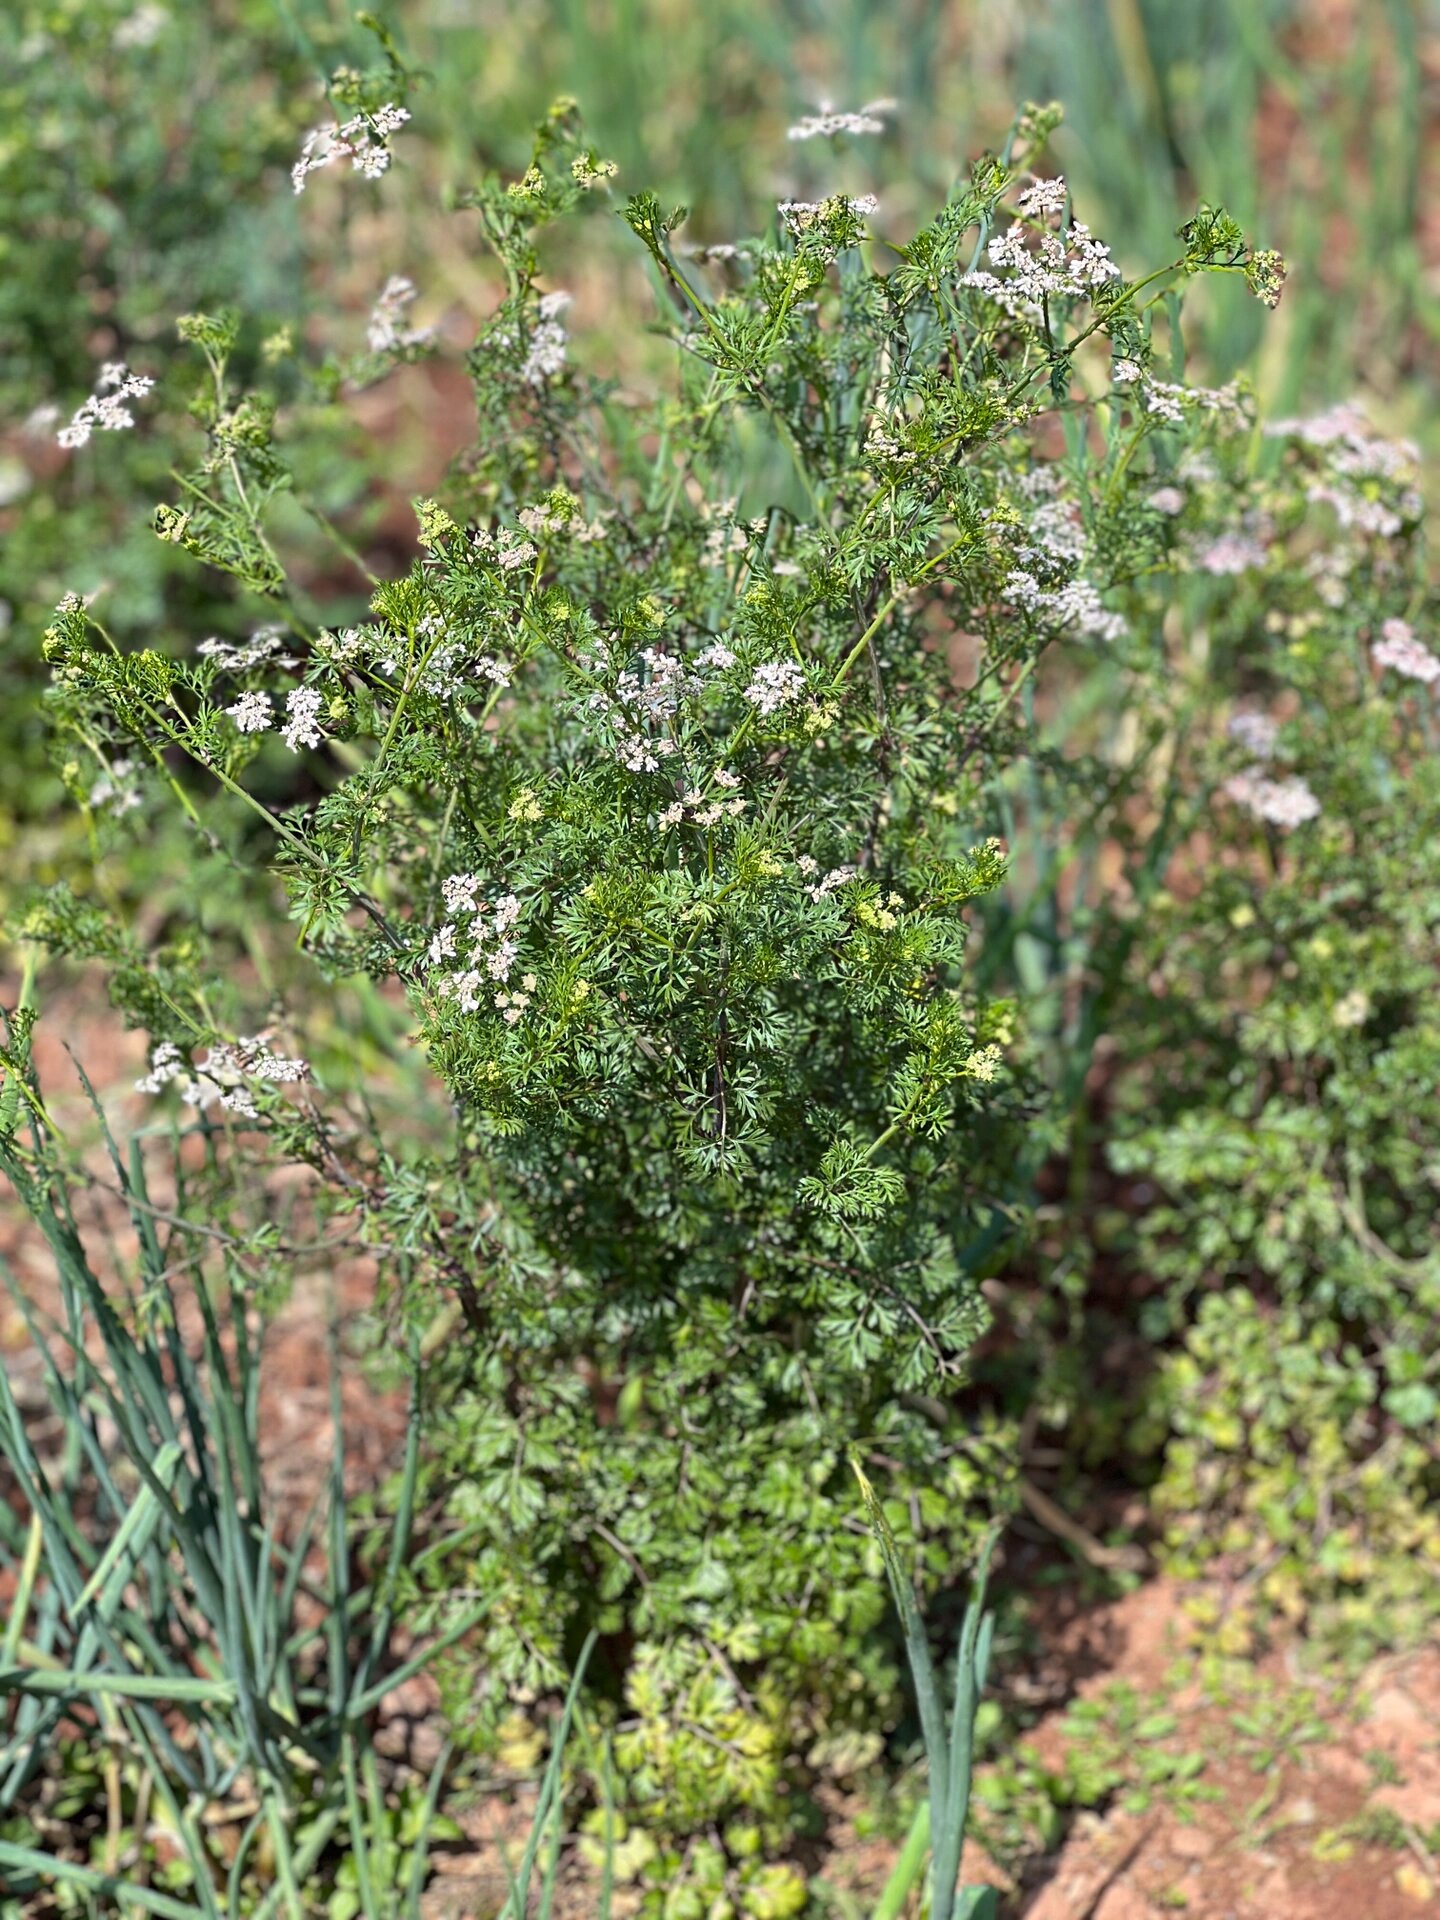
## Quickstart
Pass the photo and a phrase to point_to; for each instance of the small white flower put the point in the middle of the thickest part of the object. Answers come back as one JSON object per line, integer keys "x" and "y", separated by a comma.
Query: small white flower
{"x": 826, "y": 122}
{"x": 360, "y": 139}
{"x": 166, "y": 1065}
{"x": 1044, "y": 197}
{"x": 545, "y": 356}
{"x": 775, "y": 683}
{"x": 387, "y": 332}
{"x": 1352, "y": 1009}
{"x": 263, "y": 647}
{"x": 142, "y": 28}
{"x": 836, "y": 877}
{"x": 104, "y": 409}
{"x": 302, "y": 729}
{"x": 1256, "y": 732}
{"x": 800, "y": 215}
{"x": 251, "y": 712}
{"x": 115, "y": 791}
{"x": 459, "y": 890}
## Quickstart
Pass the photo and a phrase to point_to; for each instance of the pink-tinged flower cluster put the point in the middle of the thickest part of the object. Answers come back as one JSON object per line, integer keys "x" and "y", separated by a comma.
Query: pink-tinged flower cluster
{"x": 1230, "y": 554}
{"x": 1044, "y": 199}
{"x": 1284, "y": 803}
{"x": 1398, "y": 649}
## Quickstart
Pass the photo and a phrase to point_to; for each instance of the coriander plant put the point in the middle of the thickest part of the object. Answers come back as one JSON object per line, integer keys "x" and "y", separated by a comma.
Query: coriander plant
{"x": 664, "y": 784}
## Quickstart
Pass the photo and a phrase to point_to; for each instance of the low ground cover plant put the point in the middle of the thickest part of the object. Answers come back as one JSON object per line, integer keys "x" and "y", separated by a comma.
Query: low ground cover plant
{"x": 762, "y": 794}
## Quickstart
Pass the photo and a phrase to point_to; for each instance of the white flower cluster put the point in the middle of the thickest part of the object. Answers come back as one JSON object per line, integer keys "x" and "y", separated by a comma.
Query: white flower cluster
{"x": 1043, "y": 199}
{"x": 387, "y": 331}
{"x": 1040, "y": 482}
{"x": 491, "y": 951}
{"x": 361, "y": 141}
{"x": 1072, "y": 265}
{"x": 836, "y": 877}
{"x": 263, "y": 647}
{"x": 643, "y": 702}
{"x": 882, "y": 444}
{"x": 1352, "y": 1009}
{"x": 719, "y": 252}
{"x": 655, "y": 695}
{"x": 448, "y": 667}
{"x": 800, "y": 215}
{"x": 1285, "y": 803}
{"x": 506, "y": 549}
{"x": 1398, "y": 649}
{"x": 252, "y": 713}
{"x": 1076, "y": 605}
{"x": 826, "y": 122}
{"x": 1057, "y": 535}
{"x": 223, "y": 1074}
{"x": 114, "y": 790}
{"x": 706, "y": 810}
{"x": 774, "y": 684}
{"x": 1168, "y": 399}
{"x": 545, "y": 356}
{"x": 1353, "y": 453}
{"x": 142, "y": 28}
{"x": 105, "y": 410}
{"x": 302, "y": 728}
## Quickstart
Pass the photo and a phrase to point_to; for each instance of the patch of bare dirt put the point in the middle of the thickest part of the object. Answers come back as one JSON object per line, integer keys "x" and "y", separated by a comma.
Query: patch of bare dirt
{"x": 1321, "y": 1798}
